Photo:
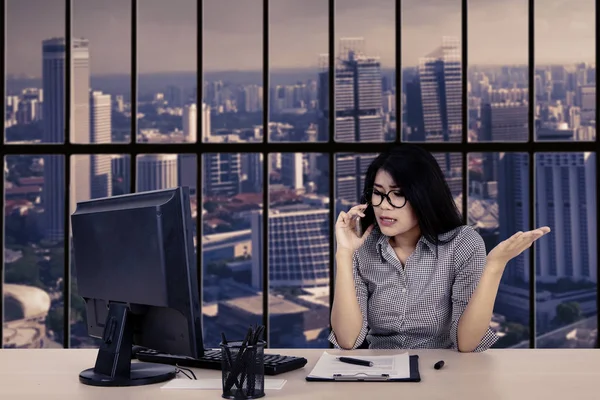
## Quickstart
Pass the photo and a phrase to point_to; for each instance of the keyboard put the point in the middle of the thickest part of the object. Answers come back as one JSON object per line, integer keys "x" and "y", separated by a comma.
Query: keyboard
{"x": 275, "y": 364}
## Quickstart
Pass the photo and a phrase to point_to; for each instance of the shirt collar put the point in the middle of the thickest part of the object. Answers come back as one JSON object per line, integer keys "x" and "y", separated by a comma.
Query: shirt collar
{"x": 383, "y": 240}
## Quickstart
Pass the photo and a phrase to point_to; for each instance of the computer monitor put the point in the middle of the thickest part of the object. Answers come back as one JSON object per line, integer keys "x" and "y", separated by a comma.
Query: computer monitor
{"x": 135, "y": 267}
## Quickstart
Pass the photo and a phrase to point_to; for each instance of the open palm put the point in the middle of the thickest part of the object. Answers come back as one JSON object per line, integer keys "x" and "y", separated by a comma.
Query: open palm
{"x": 515, "y": 245}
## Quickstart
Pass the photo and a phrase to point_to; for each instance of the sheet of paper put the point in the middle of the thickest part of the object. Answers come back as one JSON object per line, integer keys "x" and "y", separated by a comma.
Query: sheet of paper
{"x": 215, "y": 384}
{"x": 396, "y": 366}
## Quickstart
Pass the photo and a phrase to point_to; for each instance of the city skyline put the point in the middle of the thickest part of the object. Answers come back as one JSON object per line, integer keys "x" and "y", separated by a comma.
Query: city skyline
{"x": 562, "y": 33}
{"x": 228, "y": 209}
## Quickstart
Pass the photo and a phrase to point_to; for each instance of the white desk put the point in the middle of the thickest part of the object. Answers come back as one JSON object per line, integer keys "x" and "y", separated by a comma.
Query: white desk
{"x": 509, "y": 374}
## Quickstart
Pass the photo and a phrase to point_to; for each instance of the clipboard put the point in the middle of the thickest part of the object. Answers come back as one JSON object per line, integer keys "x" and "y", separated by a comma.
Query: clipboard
{"x": 415, "y": 375}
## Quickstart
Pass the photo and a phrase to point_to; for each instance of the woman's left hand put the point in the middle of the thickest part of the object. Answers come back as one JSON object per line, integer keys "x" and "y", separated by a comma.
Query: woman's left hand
{"x": 513, "y": 246}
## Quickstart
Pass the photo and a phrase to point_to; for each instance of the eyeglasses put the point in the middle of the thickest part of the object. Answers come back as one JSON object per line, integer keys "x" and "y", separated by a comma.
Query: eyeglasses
{"x": 395, "y": 198}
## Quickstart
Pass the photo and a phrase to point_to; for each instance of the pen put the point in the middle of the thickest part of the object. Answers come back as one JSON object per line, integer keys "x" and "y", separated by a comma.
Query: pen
{"x": 356, "y": 361}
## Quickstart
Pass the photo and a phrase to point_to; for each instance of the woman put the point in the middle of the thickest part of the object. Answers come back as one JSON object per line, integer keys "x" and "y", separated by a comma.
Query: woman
{"x": 417, "y": 277}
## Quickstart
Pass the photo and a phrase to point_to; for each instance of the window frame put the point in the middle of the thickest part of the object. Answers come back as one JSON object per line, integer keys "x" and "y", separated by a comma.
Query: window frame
{"x": 133, "y": 149}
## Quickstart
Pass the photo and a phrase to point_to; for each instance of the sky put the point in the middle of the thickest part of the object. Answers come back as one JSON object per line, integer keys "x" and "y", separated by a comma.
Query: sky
{"x": 167, "y": 32}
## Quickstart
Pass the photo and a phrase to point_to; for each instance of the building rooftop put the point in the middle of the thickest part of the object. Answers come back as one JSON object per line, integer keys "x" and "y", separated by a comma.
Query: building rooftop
{"x": 277, "y": 305}
{"x": 34, "y": 301}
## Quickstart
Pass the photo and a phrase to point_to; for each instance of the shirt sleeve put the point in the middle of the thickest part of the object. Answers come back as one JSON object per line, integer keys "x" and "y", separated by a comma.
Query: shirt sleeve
{"x": 470, "y": 262}
{"x": 362, "y": 296}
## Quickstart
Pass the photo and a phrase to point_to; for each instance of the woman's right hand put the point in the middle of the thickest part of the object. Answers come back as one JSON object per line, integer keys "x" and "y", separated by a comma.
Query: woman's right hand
{"x": 345, "y": 229}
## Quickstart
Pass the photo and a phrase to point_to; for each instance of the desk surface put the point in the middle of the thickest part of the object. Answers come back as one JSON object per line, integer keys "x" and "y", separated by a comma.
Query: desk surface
{"x": 495, "y": 374}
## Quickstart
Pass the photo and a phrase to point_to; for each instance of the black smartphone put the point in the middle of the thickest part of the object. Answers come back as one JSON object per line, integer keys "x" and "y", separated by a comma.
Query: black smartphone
{"x": 358, "y": 226}
{"x": 361, "y": 223}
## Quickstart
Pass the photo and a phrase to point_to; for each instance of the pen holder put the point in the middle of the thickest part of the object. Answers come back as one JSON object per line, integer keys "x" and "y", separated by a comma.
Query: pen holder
{"x": 243, "y": 370}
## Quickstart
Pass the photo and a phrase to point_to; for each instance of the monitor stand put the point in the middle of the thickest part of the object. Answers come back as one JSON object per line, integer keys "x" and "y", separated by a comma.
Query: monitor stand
{"x": 113, "y": 363}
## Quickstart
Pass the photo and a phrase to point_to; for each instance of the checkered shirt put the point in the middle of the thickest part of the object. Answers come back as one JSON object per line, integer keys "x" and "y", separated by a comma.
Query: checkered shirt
{"x": 418, "y": 306}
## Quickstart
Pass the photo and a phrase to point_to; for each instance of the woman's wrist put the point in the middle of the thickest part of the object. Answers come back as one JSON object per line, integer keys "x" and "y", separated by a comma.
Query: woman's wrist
{"x": 344, "y": 252}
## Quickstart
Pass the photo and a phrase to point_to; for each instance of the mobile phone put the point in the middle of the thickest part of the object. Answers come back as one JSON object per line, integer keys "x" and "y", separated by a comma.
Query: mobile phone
{"x": 358, "y": 227}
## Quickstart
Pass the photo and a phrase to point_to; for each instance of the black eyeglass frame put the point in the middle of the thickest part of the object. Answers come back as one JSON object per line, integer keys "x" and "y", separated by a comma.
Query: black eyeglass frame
{"x": 368, "y": 195}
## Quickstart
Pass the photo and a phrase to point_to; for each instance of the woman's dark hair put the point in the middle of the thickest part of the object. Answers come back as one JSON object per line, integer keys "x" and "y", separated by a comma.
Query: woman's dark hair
{"x": 420, "y": 178}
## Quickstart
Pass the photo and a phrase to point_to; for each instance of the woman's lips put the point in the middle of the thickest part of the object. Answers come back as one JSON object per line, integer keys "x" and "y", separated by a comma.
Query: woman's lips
{"x": 386, "y": 221}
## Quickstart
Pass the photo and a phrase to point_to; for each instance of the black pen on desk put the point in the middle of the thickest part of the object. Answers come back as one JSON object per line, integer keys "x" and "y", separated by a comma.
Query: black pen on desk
{"x": 356, "y": 361}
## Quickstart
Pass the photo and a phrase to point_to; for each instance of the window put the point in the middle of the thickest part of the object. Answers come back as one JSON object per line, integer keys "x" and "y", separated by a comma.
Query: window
{"x": 271, "y": 112}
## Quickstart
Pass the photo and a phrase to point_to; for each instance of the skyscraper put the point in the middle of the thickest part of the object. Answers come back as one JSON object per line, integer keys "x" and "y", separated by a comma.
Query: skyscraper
{"x": 53, "y": 76}
{"x": 221, "y": 174}
{"x": 189, "y": 123}
{"x": 504, "y": 122}
{"x": 174, "y": 96}
{"x": 205, "y": 123}
{"x": 513, "y": 207}
{"x": 121, "y": 171}
{"x": 156, "y": 172}
{"x": 434, "y": 96}
{"x": 298, "y": 247}
{"x": 292, "y": 166}
{"x": 586, "y": 100}
{"x": 253, "y": 165}
{"x": 81, "y": 165}
{"x": 358, "y": 95}
{"x": 566, "y": 201}
{"x": 187, "y": 171}
{"x": 349, "y": 175}
{"x": 100, "y": 126}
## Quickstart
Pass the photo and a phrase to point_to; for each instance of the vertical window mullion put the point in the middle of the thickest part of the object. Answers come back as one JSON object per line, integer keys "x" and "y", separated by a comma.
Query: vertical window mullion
{"x": 3, "y": 152}
{"x": 531, "y": 154}
{"x": 68, "y": 67}
{"x": 133, "y": 100}
{"x": 265, "y": 214}
{"x": 198, "y": 146}
{"x": 331, "y": 145}
{"x": 398, "y": 58}
{"x": 597, "y": 185}
{"x": 465, "y": 108}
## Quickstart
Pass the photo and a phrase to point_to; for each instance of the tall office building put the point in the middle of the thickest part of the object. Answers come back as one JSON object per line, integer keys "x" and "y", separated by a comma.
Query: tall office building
{"x": 513, "y": 207}
{"x": 221, "y": 174}
{"x": 81, "y": 165}
{"x": 554, "y": 131}
{"x": 292, "y": 166}
{"x": 121, "y": 171}
{"x": 451, "y": 166}
{"x": 101, "y": 125}
{"x": 205, "y": 123}
{"x": 586, "y": 101}
{"x": 358, "y": 96}
{"x": 350, "y": 170}
{"x": 566, "y": 201}
{"x": 250, "y": 98}
{"x": 156, "y": 172}
{"x": 513, "y": 214}
{"x": 298, "y": 247}
{"x": 53, "y": 75}
{"x": 252, "y": 164}
{"x": 434, "y": 96}
{"x": 174, "y": 96}
{"x": 189, "y": 123}
{"x": 504, "y": 122}
{"x": 187, "y": 171}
